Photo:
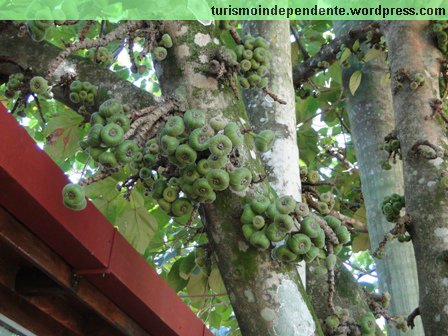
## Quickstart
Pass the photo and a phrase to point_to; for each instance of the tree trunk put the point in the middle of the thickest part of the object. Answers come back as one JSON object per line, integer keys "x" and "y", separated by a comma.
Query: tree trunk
{"x": 283, "y": 167}
{"x": 267, "y": 297}
{"x": 371, "y": 119}
{"x": 412, "y": 51}
{"x": 264, "y": 113}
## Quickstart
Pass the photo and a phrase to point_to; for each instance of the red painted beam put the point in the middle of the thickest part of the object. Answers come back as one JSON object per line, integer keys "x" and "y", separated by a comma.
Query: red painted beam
{"x": 30, "y": 188}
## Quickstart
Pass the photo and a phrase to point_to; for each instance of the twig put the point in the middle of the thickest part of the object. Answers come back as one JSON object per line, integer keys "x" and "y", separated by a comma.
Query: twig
{"x": 95, "y": 178}
{"x": 140, "y": 113}
{"x": 328, "y": 52}
{"x": 144, "y": 123}
{"x": 273, "y": 96}
{"x": 350, "y": 223}
{"x": 39, "y": 108}
{"x": 297, "y": 37}
{"x": 85, "y": 30}
{"x": 236, "y": 37}
{"x": 87, "y": 44}
{"x": 202, "y": 295}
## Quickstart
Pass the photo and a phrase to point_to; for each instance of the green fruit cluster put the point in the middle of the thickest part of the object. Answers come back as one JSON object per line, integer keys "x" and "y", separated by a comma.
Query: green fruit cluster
{"x": 38, "y": 29}
{"x": 269, "y": 220}
{"x": 73, "y": 197}
{"x": 391, "y": 207}
{"x": 440, "y": 28}
{"x": 161, "y": 52}
{"x": 310, "y": 176}
{"x": 14, "y": 84}
{"x": 105, "y": 140}
{"x": 198, "y": 151}
{"x": 83, "y": 93}
{"x": 144, "y": 161}
{"x": 102, "y": 56}
{"x": 393, "y": 148}
{"x": 326, "y": 203}
{"x": 254, "y": 57}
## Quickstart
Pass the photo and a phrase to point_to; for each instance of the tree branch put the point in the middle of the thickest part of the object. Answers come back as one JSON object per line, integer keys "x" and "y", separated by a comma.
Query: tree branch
{"x": 327, "y": 52}
{"x": 26, "y": 53}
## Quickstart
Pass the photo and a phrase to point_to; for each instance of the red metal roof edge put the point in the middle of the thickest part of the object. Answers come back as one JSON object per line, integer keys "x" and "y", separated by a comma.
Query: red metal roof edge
{"x": 31, "y": 189}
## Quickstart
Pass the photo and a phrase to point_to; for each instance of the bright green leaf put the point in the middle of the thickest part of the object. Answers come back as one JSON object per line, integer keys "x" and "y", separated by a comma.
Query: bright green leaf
{"x": 215, "y": 281}
{"x": 345, "y": 55}
{"x": 355, "y": 81}
{"x": 138, "y": 226}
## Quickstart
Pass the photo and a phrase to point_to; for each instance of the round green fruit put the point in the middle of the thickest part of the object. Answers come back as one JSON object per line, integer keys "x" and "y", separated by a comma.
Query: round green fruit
{"x": 175, "y": 126}
{"x": 170, "y": 194}
{"x": 310, "y": 227}
{"x": 284, "y": 222}
{"x": 299, "y": 243}
{"x": 160, "y": 53}
{"x": 285, "y": 204}
{"x": 110, "y": 107}
{"x": 274, "y": 233}
{"x": 258, "y": 222}
{"x": 233, "y": 132}
{"x": 259, "y": 204}
{"x": 194, "y": 119}
{"x": 38, "y": 85}
{"x": 126, "y": 151}
{"x": 112, "y": 135}
{"x": 368, "y": 323}
{"x": 73, "y": 197}
{"x": 169, "y": 144}
{"x": 181, "y": 207}
{"x": 283, "y": 253}
{"x": 198, "y": 140}
{"x": 264, "y": 140}
{"x": 108, "y": 160}
{"x": 218, "y": 179}
{"x": 240, "y": 179}
{"x": 259, "y": 240}
{"x": 185, "y": 154}
{"x": 220, "y": 145}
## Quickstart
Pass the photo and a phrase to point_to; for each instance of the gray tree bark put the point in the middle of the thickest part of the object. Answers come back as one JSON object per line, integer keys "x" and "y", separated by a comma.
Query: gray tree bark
{"x": 412, "y": 50}
{"x": 371, "y": 119}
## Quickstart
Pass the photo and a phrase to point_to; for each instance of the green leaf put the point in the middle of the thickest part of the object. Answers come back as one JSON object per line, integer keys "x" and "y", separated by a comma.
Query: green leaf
{"x": 104, "y": 189}
{"x": 62, "y": 135}
{"x": 345, "y": 55}
{"x": 355, "y": 46}
{"x": 107, "y": 199}
{"x": 355, "y": 81}
{"x": 361, "y": 243}
{"x": 138, "y": 226}
{"x": 372, "y": 54}
{"x": 173, "y": 279}
{"x": 197, "y": 286}
{"x": 215, "y": 281}
{"x": 187, "y": 265}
